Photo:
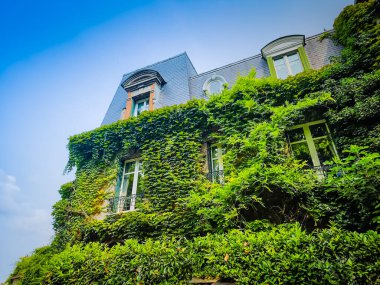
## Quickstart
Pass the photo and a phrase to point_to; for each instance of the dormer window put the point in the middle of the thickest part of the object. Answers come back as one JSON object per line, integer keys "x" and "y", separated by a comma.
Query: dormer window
{"x": 286, "y": 65}
{"x": 214, "y": 84}
{"x": 286, "y": 56}
{"x": 143, "y": 88}
{"x": 141, "y": 106}
{"x": 141, "y": 103}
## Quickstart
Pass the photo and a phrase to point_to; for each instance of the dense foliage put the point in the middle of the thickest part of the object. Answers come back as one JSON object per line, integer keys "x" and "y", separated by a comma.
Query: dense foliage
{"x": 281, "y": 255}
{"x": 272, "y": 221}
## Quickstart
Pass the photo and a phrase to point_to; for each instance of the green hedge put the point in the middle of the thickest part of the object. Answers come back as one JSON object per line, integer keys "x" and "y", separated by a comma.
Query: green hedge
{"x": 282, "y": 255}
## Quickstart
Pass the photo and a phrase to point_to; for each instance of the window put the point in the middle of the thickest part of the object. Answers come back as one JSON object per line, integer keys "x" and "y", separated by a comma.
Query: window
{"x": 143, "y": 89}
{"x": 140, "y": 106}
{"x": 288, "y": 65}
{"x": 215, "y": 155}
{"x": 312, "y": 143}
{"x": 130, "y": 187}
{"x": 214, "y": 84}
{"x": 286, "y": 56}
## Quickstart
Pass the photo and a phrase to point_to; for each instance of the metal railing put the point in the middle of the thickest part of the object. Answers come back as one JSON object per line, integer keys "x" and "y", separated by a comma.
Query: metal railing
{"x": 323, "y": 171}
{"x": 123, "y": 203}
{"x": 216, "y": 176}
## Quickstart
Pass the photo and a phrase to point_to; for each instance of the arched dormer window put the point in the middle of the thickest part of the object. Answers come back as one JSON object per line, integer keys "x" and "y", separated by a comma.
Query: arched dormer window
{"x": 142, "y": 79}
{"x": 286, "y": 56}
{"x": 143, "y": 88}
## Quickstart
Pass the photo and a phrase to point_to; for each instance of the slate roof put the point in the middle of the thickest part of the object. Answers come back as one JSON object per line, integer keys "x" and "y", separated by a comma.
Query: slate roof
{"x": 175, "y": 71}
{"x": 318, "y": 52}
{"x": 183, "y": 82}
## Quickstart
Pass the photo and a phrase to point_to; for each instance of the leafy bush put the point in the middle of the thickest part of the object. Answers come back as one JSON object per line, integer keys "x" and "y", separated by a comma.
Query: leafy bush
{"x": 355, "y": 182}
{"x": 282, "y": 255}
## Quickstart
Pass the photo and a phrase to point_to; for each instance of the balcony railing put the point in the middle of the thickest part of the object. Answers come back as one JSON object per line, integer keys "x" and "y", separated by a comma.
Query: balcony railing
{"x": 123, "y": 203}
{"x": 216, "y": 176}
{"x": 323, "y": 171}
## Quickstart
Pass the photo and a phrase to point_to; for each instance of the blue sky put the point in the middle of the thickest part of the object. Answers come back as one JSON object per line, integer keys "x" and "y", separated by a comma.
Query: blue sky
{"x": 61, "y": 62}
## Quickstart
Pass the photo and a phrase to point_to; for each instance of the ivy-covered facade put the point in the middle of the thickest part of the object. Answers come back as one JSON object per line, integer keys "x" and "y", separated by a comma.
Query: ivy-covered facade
{"x": 264, "y": 181}
{"x": 175, "y": 80}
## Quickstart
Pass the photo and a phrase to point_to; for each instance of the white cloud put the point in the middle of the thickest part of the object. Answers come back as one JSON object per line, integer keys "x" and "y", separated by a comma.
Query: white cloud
{"x": 8, "y": 193}
{"x": 19, "y": 214}
{"x": 23, "y": 225}
{"x": 33, "y": 220}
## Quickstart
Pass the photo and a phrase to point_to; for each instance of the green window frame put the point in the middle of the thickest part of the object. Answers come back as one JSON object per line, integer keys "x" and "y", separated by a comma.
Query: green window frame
{"x": 312, "y": 142}
{"x": 300, "y": 51}
{"x": 304, "y": 59}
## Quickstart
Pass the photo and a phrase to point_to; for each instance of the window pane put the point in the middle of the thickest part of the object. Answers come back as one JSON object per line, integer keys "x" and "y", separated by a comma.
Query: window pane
{"x": 129, "y": 167}
{"x": 215, "y": 86}
{"x": 215, "y": 158}
{"x": 296, "y": 67}
{"x": 214, "y": 152}
{"x": 140, "y": 107}
{"x": 126, "y": 189}
{"x": 281, "y": 69}
{"x": 318, "y": 130}
{"x": 293, "y": 57}
{"x": 301, "y": 152}
{"x": 279, "y": 61}
{"x": 140, "y": 165}
{"x": 324, "y": 149}
{"x": 139, "y": 189}
{"x": 296, "y": 135}
{"x": 295, "y": 63}
{"x": 282, "y": 72}
{"x": 215, "y": 166}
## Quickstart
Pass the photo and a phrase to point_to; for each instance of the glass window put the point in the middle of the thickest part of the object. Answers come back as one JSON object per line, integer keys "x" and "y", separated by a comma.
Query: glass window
{"x": 295, "y": 63}
{"x": 141, "y": 106}
{"x": 216, "y": 173}
{"x": 214, "y": 85}
{"x": 288, "y": 65}
{"x": 312, "y": 143}
{"x": 130, "y": 187}
{"x": 281, "y": 69}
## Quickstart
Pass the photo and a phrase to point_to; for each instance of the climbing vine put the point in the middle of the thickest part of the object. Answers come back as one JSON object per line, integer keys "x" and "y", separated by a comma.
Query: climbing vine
{"x": 262, "y": 179}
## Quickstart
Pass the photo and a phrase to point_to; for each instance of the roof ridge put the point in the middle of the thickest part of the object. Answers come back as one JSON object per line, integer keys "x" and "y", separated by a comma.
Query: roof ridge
{"x": 158, "y": 62}
{"x": 227, "y": 65}
{"x": 319, "y": 34}
{"x": 191, "y": 62}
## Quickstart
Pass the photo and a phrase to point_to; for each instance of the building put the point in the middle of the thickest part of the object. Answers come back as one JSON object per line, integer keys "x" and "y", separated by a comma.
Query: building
{"x": 175, "y": 81}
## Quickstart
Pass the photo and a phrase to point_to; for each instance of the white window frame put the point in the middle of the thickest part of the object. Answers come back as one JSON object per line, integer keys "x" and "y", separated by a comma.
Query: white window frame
{"x": 146, "y": 105}
{"x": 219, "y": 160}
{"x": 135, "y": 173}
{"x": 287, "y": 64}
{"x": 215, "y": 78}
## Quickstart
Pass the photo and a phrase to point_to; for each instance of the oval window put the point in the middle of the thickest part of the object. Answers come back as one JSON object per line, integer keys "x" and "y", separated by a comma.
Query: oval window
{"x": 214, "y": 84}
